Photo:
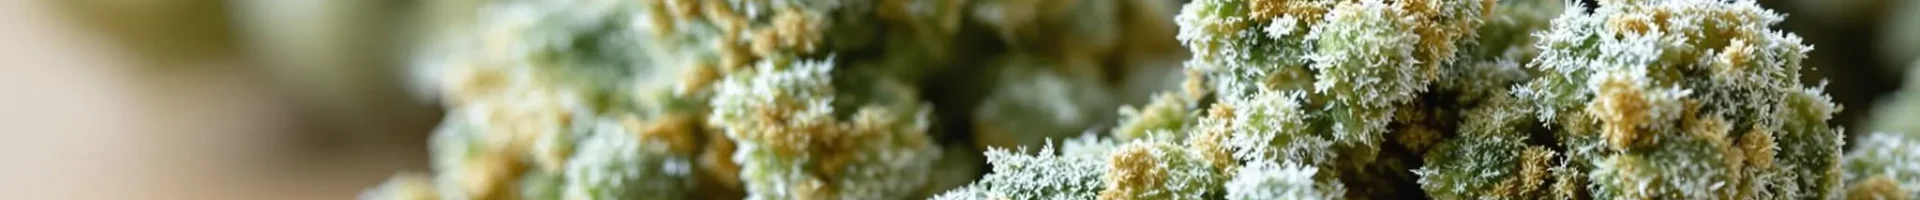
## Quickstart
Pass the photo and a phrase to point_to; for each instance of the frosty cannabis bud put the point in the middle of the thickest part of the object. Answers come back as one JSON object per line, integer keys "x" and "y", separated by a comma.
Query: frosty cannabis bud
{"x": 1643, "y": 92}
{"x": 611, "y": 163}
{"x": 1636, "y": 99}
{"x": 1072, "y": 171}
{"x": 1267, "y": 180}
{"x": 1304, "y": 89}
{"x": 792, "y": 145}
{"x": 1282, "y": 99}
{"x": 596, "y": 99}
{"x": 1884, "y": 166}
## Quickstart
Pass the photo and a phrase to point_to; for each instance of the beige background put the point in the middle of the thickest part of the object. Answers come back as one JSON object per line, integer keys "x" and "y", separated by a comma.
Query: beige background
{"x": 84, "y": 118}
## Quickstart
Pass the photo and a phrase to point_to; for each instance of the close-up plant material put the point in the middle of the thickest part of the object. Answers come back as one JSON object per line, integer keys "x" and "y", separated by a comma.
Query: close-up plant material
{"x": 1047, "y": 99}
{"x": 1328, "y": 99}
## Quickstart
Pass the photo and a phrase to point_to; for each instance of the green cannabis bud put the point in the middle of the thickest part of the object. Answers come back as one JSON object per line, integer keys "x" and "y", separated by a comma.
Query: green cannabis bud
{"x": 1302, "y": 89}
{"x": 1684, "y": 99}
{"x": 1268, "y": 180}
{"x": 1884, "y": 166}
{"x": 541, "y": 107}
{"x": 1330, "y": 99}
{"x": 601, "y": 99}
{"x": 792, "y": 145}
{"x": 1072, "y": 171}
{"x": 1281, "y": 99}
{"x": 612, "y": 163}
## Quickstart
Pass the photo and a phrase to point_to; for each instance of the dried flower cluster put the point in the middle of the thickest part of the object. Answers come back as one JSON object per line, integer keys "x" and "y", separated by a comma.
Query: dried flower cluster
{"x": 1282, "y": 99}
{"x": 759, "y": 99}
{"x": 1649, "y": 99}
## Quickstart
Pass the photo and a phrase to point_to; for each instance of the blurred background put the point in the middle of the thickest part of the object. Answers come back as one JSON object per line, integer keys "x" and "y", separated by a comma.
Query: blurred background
{"x": 310, "y": 99}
